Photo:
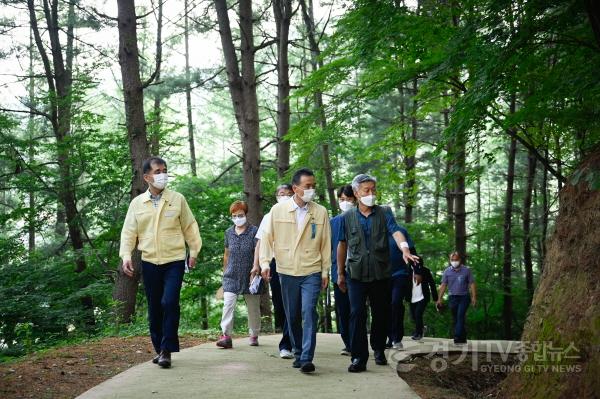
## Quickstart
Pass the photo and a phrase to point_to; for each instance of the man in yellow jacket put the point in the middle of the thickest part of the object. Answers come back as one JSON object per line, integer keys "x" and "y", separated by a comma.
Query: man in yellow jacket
{"x": 161, "y": 223}
{"x": 299, "y": 237}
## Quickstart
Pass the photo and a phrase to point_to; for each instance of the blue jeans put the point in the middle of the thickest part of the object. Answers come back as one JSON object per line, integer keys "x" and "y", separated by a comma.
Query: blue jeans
{"x": 163, "y": 284}
{"x": 300, "y": 295}
{"x": 458, "y": 307}
{"x": 378, "y": 293}
{"x": 280, "y": 320}
{"x": 342, "y": 311}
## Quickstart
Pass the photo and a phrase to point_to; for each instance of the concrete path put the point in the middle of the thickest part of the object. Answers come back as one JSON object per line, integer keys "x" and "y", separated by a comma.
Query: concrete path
{"x": 255, "y": 372}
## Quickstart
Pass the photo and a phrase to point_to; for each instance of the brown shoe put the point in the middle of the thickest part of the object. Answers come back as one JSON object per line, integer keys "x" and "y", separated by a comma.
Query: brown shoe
{"x": 164, "y": 359}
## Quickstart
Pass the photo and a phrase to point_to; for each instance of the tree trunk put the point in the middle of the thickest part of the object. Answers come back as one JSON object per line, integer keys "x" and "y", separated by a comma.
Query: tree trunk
{"x": 59, "y": 80}
{"x": 410, "y": 162}
{"x": 125, "y": 289}
{"x": 282, "y": 10}
{"x": 565, "y": 308}
{"x": 507, "y": 263}
{"x": 545, "y": 216}
{"x": 560, "y": 313}
{"x": 188, "y": 93}
{"x": 450, "y": 187}
{"x": 437, "y": 166}
{"x": 527, "y": 199}
{"x": 242, "y": 88}
{"x": 157, "y": 122}
{"x": 30, "y": 129}
{"x": 460, "y": 194}
{"x": 316, "y": 63}
{"x": 478, "y": 189}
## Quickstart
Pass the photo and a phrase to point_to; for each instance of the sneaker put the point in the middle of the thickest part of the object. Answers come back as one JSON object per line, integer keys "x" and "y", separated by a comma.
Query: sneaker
{"x": 286, "y": 354}
{"x": 345, "y": 352}
{"x": 225, "y": 342}
{"x": 297, "y": 364}
{"x": 155, "y": 359}
{"x": 307, "y": 367}
{"x": 398, "y": 345}
{"x": 253, "y": 341}
{"x": 416, "y": 337}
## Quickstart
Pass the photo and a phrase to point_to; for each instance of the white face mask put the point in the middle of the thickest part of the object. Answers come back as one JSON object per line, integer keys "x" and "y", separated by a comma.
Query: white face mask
{"x": 346, "y": 205}
{"x": 455, "y": 264}
{"x": 309, "y": 195}
{"x": 283, "y": 198}
{"x": 239, "y": 221}
{"x": 160, "y": 181}
{"x": 368, "y": 200}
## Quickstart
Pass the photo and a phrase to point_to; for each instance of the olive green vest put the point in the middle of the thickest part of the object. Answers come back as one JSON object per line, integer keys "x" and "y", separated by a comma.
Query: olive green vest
{"x": 372, "y": 263}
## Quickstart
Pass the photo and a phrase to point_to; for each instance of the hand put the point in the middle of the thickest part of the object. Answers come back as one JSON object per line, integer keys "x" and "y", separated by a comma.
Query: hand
{"x": 191, "y": 263}
{"x": 418, "y": 279}
{"x": 254, "y": 272}
{"x": 408, "y": 257}
{"x": 341, "y": 282}
{"x": 128, "y": 267}
{"x": 324, "y": 282}
{"x": 474, "y": 302}
{"x": 266, "y": 274}
{"x": 438, "y": 304}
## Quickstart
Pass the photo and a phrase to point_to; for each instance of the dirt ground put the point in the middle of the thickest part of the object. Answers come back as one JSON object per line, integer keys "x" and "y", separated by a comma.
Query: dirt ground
{"x": 456, "y": 378}
{"x": 69, "y": 371}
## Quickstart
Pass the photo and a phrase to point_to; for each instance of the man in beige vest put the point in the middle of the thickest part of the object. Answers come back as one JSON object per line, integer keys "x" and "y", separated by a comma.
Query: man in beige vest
{"x": 299, "y": 237}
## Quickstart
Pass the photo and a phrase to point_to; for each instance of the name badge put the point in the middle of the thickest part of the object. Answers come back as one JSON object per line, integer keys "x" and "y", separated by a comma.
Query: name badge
{"x": 170, "y": 214}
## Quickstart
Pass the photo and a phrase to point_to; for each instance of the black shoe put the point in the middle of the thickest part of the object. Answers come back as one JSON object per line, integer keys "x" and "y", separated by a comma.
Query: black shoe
{"x": 164, "y": 359}
{"x": 155, "y": 359}
{"x": 297, "y": 364}
{"x": 307, "y": 367}
{"x": 388, "y": 345}
{"x": 380, "y": 358}
{"x": 357, "y": 366}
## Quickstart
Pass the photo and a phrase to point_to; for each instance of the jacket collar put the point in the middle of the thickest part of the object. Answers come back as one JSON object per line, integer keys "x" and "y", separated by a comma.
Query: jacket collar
{"x": 166, "y": 194}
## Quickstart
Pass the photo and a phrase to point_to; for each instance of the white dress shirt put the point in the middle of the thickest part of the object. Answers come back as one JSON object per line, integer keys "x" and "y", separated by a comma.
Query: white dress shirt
{"x": 300, "y": 213}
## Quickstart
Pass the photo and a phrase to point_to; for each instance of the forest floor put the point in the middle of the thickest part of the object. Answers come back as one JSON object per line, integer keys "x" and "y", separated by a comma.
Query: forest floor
{"x": 471, "y": 378}
{"x": 68, "y": 371}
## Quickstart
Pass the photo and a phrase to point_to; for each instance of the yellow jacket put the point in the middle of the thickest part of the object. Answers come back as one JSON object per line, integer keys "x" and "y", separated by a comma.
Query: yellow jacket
{"x": 161, "y": 232}
{"x": 297, "y": 253}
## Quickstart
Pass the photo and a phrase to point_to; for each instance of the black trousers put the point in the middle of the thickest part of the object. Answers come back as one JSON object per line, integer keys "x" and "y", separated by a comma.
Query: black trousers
{"x": 163, "y": 285}
{"x": 401, "y": 291}
{"x": 378, "y": 293}
{"x": 279, "y": 312}
{"x": 416, "y": 311}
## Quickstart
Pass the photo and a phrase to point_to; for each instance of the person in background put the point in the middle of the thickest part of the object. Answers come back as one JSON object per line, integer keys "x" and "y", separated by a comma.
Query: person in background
{"x": 401, "y": 287}
{"x": 161, "y": 223}
{"x": 459, "y": 280}
{"x": 238, "y": 271}
{"x": 421, "y": 295}
{"x": 299, "y": 235}
{"x": 346, "y": 201}
{"x": 364, "y": 249}
{"x": 283, "y": 193}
